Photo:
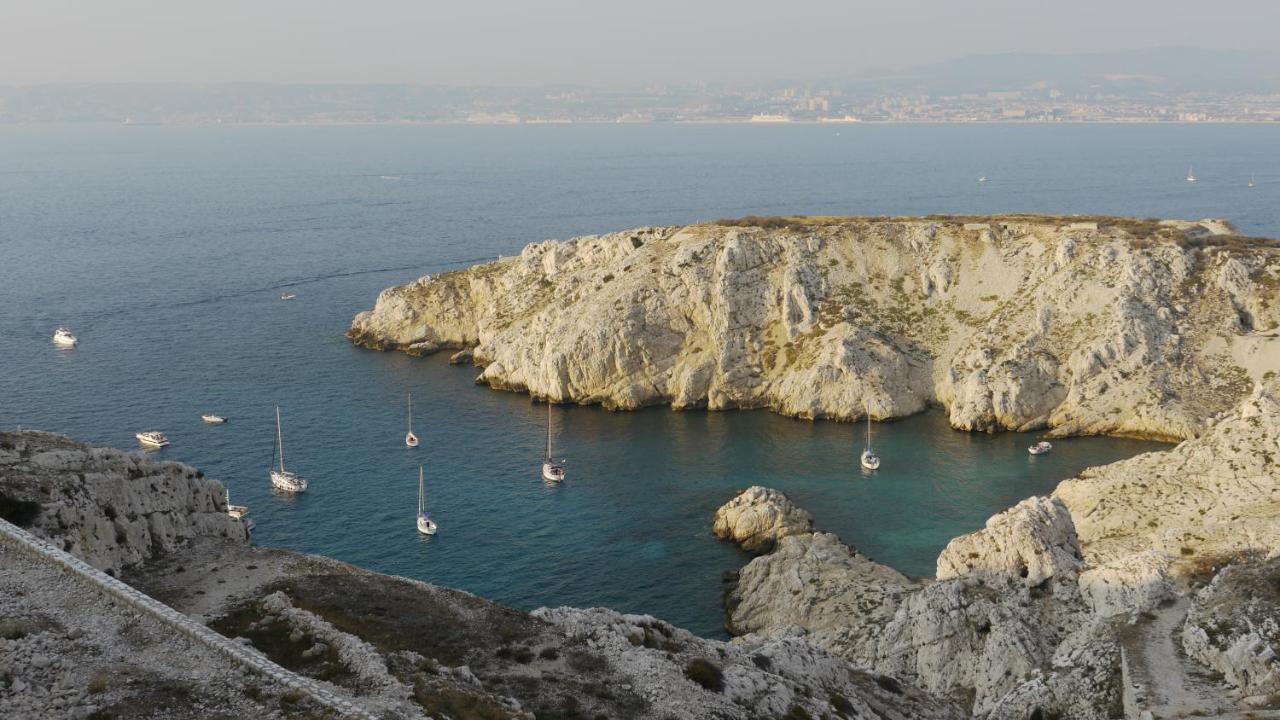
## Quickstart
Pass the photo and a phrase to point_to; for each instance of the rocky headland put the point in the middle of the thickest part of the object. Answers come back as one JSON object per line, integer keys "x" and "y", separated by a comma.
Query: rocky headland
{"x": 1083, "y": 325}
{"x": 1150, "y": 584}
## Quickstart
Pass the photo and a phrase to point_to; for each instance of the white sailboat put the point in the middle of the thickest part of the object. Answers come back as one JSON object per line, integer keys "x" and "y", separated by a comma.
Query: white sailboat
{"x": 283, "y": 479}
{"x": 1251, "y": 182}
{"x": 552, "y": 471}
{"x": 1191, "y": 173}
{"x": 426, "y": 525}
{"x": 409, "y": 438}
{"x": 869, "y": 459}
{"x": 1040, "y": 448}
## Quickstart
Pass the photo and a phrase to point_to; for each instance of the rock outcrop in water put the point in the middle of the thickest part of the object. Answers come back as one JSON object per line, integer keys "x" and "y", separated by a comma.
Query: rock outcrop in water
{"x": 758, "y": 518}
{"x": 1033, "y": 610}
{"x": 1083, "y": 325}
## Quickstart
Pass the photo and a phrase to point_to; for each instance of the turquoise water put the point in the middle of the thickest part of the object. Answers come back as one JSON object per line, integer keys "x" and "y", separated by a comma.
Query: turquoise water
{"x": 166, "y": 249}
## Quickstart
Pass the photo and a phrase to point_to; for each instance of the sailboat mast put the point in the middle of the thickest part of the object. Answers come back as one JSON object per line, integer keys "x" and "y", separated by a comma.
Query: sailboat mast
{"x": 548, "y": 430}
{"x": 410, "y": 412}
{"x": 868, "y": 429}
{"x": 279, "y": 438}
{"x": 421, "y": 491}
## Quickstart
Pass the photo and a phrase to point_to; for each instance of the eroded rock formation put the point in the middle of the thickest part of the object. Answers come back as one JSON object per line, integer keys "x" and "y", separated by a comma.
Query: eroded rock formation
{"x": 1102, "y": 325}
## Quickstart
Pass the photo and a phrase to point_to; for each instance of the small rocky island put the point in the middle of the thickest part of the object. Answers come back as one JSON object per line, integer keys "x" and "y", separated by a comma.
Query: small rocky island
{"x": 1149, "y": 587}
{"x": 1084, "y": 325}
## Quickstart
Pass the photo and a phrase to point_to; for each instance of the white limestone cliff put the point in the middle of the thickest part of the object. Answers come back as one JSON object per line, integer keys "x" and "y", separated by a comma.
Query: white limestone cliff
{"x": 1116, "y": 325}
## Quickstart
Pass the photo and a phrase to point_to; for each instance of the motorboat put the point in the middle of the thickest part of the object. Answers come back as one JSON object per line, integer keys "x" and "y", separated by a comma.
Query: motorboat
{"x": 287, "y": 296}
{"x": 552, "y": 471}
{"x": 982, "y": 179}
{"x": 426, "y": 525}
{"x": 1040, "y": 448}
{"x": 62, "y": 337}
{"x": 283, "y": 479}
{"x": 213, "y": 419}
{"x": 152, "y": 438}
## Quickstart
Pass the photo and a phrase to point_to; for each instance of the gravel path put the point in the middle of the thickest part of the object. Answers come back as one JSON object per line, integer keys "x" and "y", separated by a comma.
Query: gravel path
{"x": 1170, "y": 684}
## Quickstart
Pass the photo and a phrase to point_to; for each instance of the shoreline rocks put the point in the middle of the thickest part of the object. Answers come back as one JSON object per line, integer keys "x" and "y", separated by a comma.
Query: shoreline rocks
{"x": 1111, "y": 326}
{"x": 758, "y": 517}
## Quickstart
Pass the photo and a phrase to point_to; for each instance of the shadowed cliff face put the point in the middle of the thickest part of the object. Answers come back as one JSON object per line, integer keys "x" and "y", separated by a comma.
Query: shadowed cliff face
{"x": 1086, "y": 326}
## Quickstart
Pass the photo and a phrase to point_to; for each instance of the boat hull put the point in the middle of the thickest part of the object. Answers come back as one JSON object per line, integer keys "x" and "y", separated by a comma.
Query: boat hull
{"x": 411, "y": 440}
{"x": 151, "y": 442}
{"x": 426, "y": 525}
{"x": 213, "y": 419}
{"x": 869, "y": 461}
{"x": 551, "y": 472}
{"x": 288, "y": 482}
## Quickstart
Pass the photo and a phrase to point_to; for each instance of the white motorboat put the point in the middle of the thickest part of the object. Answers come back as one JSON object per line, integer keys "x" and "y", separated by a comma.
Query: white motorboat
{"x": 1040, "y": 448}
{"x": 1191, "y": 174}
{"x": 283, "y": 479}
{"x": 287, "y": 296}
{"x": 236, "y": 511}
{"x": 152, "y": 438}
{"x": 213, "y": 419}
{"x": 62, "y": 337}
{"x": 426, "y": 525}
{"x": 869, "y": 459}
{"x": 982, "y": 179}
{"x": 552, "y": 471}
{"x": 409, "y": 438}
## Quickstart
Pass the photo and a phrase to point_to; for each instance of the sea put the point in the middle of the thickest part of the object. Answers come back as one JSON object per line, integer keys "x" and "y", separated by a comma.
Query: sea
{"x": 166, "y": 250}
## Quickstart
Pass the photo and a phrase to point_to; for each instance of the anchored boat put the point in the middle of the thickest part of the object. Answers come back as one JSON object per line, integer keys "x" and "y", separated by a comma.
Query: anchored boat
{"x": 552, "y": 471}
{"x": 283, "y": 479}
{"x": 869, "y": 459}
{"x": 1040, "y": 448}
{"x": 409, "y": 438}
{"x": 426, "y": 525}
{"x": 62, "y": 337}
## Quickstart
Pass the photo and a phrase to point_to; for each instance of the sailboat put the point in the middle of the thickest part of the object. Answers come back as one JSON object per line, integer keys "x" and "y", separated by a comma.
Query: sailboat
{"x": 409, "y": 438}
{"x": 283, "y": 479}
{"x": 1191, "y": 174}
{"x": 426, "y": 525}
{"x": 552, "y": 471}
{"x": 870, "y": 460}
{"x": 1251, "y": 182}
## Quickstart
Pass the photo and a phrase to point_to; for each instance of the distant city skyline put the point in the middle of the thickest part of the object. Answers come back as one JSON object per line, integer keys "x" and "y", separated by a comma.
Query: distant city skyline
{"x": 509, "y": 43}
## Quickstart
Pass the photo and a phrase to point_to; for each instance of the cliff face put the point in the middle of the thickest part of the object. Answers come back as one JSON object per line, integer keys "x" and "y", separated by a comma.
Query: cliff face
{"x": 1102, "y": 326}
{"x": 110, "y": 508}
{"x": 1031, "y": 610}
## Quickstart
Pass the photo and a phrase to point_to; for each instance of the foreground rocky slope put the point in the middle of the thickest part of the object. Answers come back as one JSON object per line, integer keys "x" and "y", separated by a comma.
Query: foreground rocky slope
{"x": 397, "y": 647}
{"x": 1083, "y": 325}
{"x": 1032, "y": 612}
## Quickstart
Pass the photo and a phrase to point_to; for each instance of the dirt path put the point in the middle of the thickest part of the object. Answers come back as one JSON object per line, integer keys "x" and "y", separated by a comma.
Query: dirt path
{"x": 1167, "y": 682}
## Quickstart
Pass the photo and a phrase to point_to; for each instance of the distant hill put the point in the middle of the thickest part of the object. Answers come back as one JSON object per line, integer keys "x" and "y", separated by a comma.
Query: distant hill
{"x": 1168, "y": 69}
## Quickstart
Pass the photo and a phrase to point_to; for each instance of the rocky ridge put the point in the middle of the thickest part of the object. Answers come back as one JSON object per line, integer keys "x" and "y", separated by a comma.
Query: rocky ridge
{"x": 1081, "y": 325}
{"x": 1031, "y": 611}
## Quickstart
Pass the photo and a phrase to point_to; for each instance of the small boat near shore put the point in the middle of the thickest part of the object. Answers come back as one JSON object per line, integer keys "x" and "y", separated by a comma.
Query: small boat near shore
{"x": 236, "y": 511}
{"x": 63, "y": 338}
{"x": 1040, "y": 448}
{"x": 152, "y": 439}
{"x": 213, "y": 419}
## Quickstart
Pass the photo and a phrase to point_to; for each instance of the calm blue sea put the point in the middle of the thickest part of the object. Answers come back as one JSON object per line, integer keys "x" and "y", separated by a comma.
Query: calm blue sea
{"x": 166, "y": 249}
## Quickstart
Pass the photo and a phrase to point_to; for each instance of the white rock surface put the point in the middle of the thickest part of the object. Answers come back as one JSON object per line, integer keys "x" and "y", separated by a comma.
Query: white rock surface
{"x": 758, "y": 517}
{"x": 1034, "y": 540}
{"x": 1032, "y": 321}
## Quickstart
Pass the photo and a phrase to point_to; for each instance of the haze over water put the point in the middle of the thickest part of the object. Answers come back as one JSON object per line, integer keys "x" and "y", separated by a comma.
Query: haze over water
{"x": 166, "y": 249}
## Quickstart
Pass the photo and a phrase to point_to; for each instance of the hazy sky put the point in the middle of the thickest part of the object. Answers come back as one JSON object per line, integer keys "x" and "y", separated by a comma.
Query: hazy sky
{"x": 598, "y": 42}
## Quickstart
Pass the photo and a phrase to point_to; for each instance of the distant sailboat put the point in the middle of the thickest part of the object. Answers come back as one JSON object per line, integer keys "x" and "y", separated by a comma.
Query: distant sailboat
{"x": 1191, "y": 173}
{"x": 283, "y": 479}
{"x": 1251, "y": 183}
{"x": 426, "y": 525}
{"x": 409, "y": 438}
{"x": 869, "y": 459}
{"x": 552, "y": 471}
